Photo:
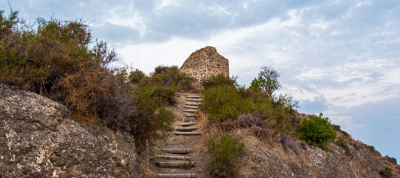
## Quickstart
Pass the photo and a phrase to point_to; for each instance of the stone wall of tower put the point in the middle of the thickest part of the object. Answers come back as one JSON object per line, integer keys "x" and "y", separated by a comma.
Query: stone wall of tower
{"x": 205, "y": 62}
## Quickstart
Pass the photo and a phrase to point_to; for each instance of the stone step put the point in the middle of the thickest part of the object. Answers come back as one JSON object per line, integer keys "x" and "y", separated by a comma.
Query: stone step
{"x": 187, "y": 133}
{"x": 177, "y": 175}
{"x": 187, "y": 123}
{"x": 192, "y": 115}
{"x": 186, "y": 128}
{"x": 186, "y": 164}
{"x": 172, "y": 157}
{"x": 176, "y": 150}
{"x": 193, "y": 96}
{"x": 192, "y": 107}
{"x": 188, "y": 119}
{"x": 190, "y": 110}
{"x": 193, "y": 104}
{"x": 194, "y": 100}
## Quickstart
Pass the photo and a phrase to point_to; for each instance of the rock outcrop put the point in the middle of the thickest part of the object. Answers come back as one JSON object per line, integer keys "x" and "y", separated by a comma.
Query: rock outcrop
{"x": 39, "y": 138}
{"x": 204, "y": 63}
{"x": 286, "y": 157}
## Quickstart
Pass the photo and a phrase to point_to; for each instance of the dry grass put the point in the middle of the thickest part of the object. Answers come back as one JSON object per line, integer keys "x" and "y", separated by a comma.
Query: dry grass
{"x": 209, "y": 130}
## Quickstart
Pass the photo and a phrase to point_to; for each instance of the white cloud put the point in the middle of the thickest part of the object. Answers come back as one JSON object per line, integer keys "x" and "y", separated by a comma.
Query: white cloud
{"x": 166, "y": 3}
{"x": 127, "y": 17}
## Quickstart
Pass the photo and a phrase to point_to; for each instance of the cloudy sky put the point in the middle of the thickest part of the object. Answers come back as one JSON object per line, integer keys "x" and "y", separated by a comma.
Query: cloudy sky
{"x": 339, "y": 57}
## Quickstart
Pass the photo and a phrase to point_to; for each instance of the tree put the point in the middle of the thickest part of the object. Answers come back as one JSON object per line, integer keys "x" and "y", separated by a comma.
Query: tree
{"x": 267, "y": 81}
{"x": 317, "y": 130}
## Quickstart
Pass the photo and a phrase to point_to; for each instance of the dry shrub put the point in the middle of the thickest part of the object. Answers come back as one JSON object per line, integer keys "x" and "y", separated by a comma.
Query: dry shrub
{"x": 244, "y": 121}
{"x": 289, "y": 143}
{"x": 82, "y": 94}
{"x": 55, "y": 60}
{"x": 390, "y": 159}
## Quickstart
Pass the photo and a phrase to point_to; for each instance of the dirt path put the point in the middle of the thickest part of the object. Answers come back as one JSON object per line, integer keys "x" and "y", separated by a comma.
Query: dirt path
{"x": 159, "y": 156}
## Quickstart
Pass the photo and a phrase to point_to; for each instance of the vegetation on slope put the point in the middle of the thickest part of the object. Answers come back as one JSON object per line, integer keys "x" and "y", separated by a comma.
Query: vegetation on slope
{"x": 317, "y": 130}
{"x": 228, "y": 104}
{"x": 55, "y": 59}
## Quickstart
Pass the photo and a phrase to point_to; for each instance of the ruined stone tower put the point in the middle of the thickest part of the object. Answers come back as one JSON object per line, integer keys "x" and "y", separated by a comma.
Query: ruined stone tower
{"x": 205, "y": 62}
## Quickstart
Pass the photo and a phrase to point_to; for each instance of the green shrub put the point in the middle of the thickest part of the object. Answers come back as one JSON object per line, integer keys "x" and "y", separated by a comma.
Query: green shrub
{"x": 136, "y": 76}
{"x": 171, "y": 77}
{"x": 224, "y": 152}
{"x": 221, "y": 103}
{"x": 218, "y": 80}
{"x": 342, "y": 143}
{"x": 317, "y": 130}
{"x": 386, "y": 173}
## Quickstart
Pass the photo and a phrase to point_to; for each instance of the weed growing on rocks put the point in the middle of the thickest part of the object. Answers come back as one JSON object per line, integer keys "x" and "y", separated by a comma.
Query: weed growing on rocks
{"x": 342, "y": 143}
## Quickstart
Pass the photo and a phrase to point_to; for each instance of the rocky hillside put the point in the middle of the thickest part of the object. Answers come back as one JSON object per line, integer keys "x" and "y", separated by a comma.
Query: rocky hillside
{"x": 38, "y": 138}
{"x": 283, "y": 156}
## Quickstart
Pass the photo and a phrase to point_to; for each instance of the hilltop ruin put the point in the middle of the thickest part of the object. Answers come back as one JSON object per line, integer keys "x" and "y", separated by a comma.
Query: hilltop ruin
{"x": 205, "y": 62}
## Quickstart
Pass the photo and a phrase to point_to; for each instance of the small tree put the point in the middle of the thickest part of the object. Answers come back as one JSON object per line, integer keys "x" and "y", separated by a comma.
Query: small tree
{"x": 317, "y": 130}
{"x": 267, "y": 81}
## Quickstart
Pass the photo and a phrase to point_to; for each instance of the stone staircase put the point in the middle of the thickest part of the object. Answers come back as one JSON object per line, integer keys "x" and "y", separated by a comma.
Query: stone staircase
{"x": 178, "y": 159}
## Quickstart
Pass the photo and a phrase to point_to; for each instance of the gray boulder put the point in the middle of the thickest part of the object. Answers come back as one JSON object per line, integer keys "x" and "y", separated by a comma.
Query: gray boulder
{"x": 39, "y": 138}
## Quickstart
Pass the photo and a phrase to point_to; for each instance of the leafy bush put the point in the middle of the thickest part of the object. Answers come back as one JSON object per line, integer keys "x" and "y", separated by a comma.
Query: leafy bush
{"x": 317, "y": 130}
{"x": 342, "y": 143}
{"x": 386, "y": 173}
{"x": 218, "y": 80}
{"x": 224, "y": 152}
{"x": 171, "y": 77}
{"x": 136, "y": 76}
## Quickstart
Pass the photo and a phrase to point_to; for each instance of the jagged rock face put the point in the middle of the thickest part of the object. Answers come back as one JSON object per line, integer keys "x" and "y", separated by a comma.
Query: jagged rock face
{"x": 38, "y": 138}
{"x": 294, "y": 158}
{"x": 204, "y": 63}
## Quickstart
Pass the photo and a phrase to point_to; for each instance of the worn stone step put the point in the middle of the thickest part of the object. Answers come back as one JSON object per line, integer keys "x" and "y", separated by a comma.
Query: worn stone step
{"x": 188, "y": 119}
{"x": 172, "y": 157}
{"x": 185, "y": 164}
{"x": 176, "y": 150}
{"x": 192, "y": 115}
{"x": 199, "y": 100}
{"x": 192, "y": 107}
{"x": 190, "y": 110}
{"x": 193, "y": 104}
{"x": 193, "y": 96}
{"x": 186, "y": 128}
{"x": 177, "y": 175}
{"x": 187, "y": 133}
{"x": 187, "y": 123}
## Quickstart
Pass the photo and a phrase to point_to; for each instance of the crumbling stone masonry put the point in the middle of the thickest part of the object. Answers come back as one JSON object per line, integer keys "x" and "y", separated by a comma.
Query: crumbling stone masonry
{"x": 204, "y": 63}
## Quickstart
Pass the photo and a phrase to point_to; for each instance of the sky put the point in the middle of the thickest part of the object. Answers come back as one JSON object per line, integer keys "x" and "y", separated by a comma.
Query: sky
{"x": 338, "y": 57}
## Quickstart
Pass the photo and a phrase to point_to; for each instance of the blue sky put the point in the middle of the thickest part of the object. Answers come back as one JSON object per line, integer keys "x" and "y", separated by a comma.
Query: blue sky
{"x": 339, "y": 57}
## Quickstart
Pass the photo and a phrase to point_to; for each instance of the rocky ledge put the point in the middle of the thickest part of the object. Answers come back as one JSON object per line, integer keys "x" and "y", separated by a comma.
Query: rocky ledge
{"x": 39, "y": 138}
